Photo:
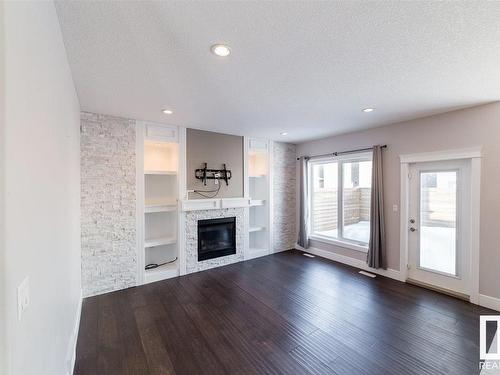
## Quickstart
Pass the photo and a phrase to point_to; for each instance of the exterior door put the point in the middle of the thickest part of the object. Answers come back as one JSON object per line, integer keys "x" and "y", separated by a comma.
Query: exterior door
{"x": 439, "y": 225}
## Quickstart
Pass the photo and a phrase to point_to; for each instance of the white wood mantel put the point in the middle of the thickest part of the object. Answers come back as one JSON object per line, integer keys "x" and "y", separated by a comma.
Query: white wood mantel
{"x": 213, "y": 204}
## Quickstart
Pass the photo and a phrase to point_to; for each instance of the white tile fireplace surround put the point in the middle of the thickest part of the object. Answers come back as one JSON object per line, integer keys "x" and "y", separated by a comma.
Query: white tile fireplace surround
{"x": 191, "y": 237}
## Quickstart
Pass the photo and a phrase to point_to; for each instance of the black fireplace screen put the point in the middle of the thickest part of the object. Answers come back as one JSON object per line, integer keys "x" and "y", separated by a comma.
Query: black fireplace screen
{"x": 216, "y": 238}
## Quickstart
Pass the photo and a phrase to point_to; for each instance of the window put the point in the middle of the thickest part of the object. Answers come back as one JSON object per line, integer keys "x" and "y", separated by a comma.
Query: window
{"x": 340, "y": 199}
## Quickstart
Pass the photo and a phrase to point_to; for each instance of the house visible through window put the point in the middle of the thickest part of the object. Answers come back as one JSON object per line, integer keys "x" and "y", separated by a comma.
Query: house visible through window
{"x": 321, "y": 177}
{"x": 340, "y": 199}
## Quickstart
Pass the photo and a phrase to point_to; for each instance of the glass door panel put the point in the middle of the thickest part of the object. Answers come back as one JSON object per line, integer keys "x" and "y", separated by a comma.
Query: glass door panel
{"x": 325, "y": 199}
{"x": 438, "y": 221}
{"x": 357, "y": 181}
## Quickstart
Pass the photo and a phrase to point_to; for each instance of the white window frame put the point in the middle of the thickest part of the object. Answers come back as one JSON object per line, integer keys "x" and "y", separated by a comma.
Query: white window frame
{"x": 340, "y": 240}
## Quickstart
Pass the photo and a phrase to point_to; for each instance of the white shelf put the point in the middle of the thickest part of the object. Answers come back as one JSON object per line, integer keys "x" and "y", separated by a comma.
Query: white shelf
{"x": 256, "y": 229}
{"x": 153, "y": 208}
{"x": 163, "y": 272}
{"x": 153, "y": 242}
{"x": 257, "y": 176}
{"x": 257, "y": 202}
{"x": 166, "y": 173}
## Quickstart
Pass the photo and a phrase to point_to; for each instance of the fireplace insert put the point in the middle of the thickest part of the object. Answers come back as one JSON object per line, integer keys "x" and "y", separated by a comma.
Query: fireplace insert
{"x": 216, "y": 238}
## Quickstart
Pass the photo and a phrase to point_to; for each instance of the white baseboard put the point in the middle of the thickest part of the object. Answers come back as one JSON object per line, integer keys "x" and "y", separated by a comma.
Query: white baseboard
{"x": 484, "y": 300}
{"x": 393, "y": 274}
{"x": 489, "y": 302}
{"x": 74, "y": 337}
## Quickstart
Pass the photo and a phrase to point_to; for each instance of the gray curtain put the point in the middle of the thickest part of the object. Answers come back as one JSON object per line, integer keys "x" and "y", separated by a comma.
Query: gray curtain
{"x": 376, "y": 257}
{"x": 303, "y": 239}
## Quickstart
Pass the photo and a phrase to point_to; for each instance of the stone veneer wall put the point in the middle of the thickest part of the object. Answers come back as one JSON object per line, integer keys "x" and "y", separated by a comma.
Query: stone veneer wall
{"x": 284, "y": 197}
{"x": 108, "y": 203}
{"x": 192, "y": 217}
{"x": 108, "y": 206}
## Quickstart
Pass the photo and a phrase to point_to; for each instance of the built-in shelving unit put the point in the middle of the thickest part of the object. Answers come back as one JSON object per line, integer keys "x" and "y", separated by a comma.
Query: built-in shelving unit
{"x": 258, "y": 191}
{"x": 159, "y": 154}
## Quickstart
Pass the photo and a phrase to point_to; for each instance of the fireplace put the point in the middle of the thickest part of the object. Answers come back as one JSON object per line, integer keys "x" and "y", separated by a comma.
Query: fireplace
{"x": 216, "y": 238}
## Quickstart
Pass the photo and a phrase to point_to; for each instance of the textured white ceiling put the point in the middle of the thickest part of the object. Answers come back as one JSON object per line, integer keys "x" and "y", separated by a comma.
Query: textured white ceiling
{"x": 307, "y": 68}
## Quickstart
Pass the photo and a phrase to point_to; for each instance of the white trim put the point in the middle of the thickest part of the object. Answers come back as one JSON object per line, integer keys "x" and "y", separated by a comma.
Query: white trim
{"x": 270, "y": 196}
{"x": 182, "y": 244}
{"x": 74, "y": 337}
{"x": 246, "y": 187}
{"x": 181, "y": 194}
{"x": 258, "y": 144}
{"x": 475, "y": 207}
{"x": 404, "y": 214}
{"x": 213, "y": 203}
{"x": 159, "y": 132}
{"x": 463, "y": 153}
{"x": 489, "y": 302}
{"x": 246, "y": 194}
{"x": 200, "y": 204}
{"x": 339, "y": 243}
{"x": 474, "y": 155}
{"x": 357, "y": 263}
{"x": 234, "y": 202}
{"x": 181, "y": 168}
{"x": 139, "y": 191}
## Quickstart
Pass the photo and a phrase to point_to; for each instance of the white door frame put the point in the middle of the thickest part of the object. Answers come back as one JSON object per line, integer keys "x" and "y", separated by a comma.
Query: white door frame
{"x": 472, "y": 154}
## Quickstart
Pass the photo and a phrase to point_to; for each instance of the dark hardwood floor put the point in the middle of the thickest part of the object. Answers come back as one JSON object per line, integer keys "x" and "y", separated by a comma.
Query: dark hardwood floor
{"x": 280, "y": 314}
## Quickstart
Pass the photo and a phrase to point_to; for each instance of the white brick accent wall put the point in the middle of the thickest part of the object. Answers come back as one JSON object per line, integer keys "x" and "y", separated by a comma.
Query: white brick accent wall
{"x": 192, "y": 217}
{"x": 284, "y": 197}
{"x": 108, "y": 203}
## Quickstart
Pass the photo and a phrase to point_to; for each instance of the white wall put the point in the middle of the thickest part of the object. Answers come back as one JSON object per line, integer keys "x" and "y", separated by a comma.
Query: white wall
{"x": 2, "y": 197}
{"x": 478, "y": 126}
{"x": 41, "y": 191}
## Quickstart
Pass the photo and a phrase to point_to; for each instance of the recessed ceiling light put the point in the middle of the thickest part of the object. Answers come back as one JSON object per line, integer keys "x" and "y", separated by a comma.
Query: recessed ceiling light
{"x": 167, "y": 111}
{"x": 220, "y": 50}
{"x": 284, "y": 133}
{"x": 368, "y": 110}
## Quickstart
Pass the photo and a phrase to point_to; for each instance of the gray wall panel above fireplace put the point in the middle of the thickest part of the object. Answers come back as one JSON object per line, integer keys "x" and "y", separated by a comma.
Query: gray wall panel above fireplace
{"x": 214, "y": 149}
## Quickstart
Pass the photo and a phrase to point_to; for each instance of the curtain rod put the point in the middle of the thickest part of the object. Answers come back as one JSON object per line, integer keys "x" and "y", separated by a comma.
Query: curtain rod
{"x": 333, "y": 154}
